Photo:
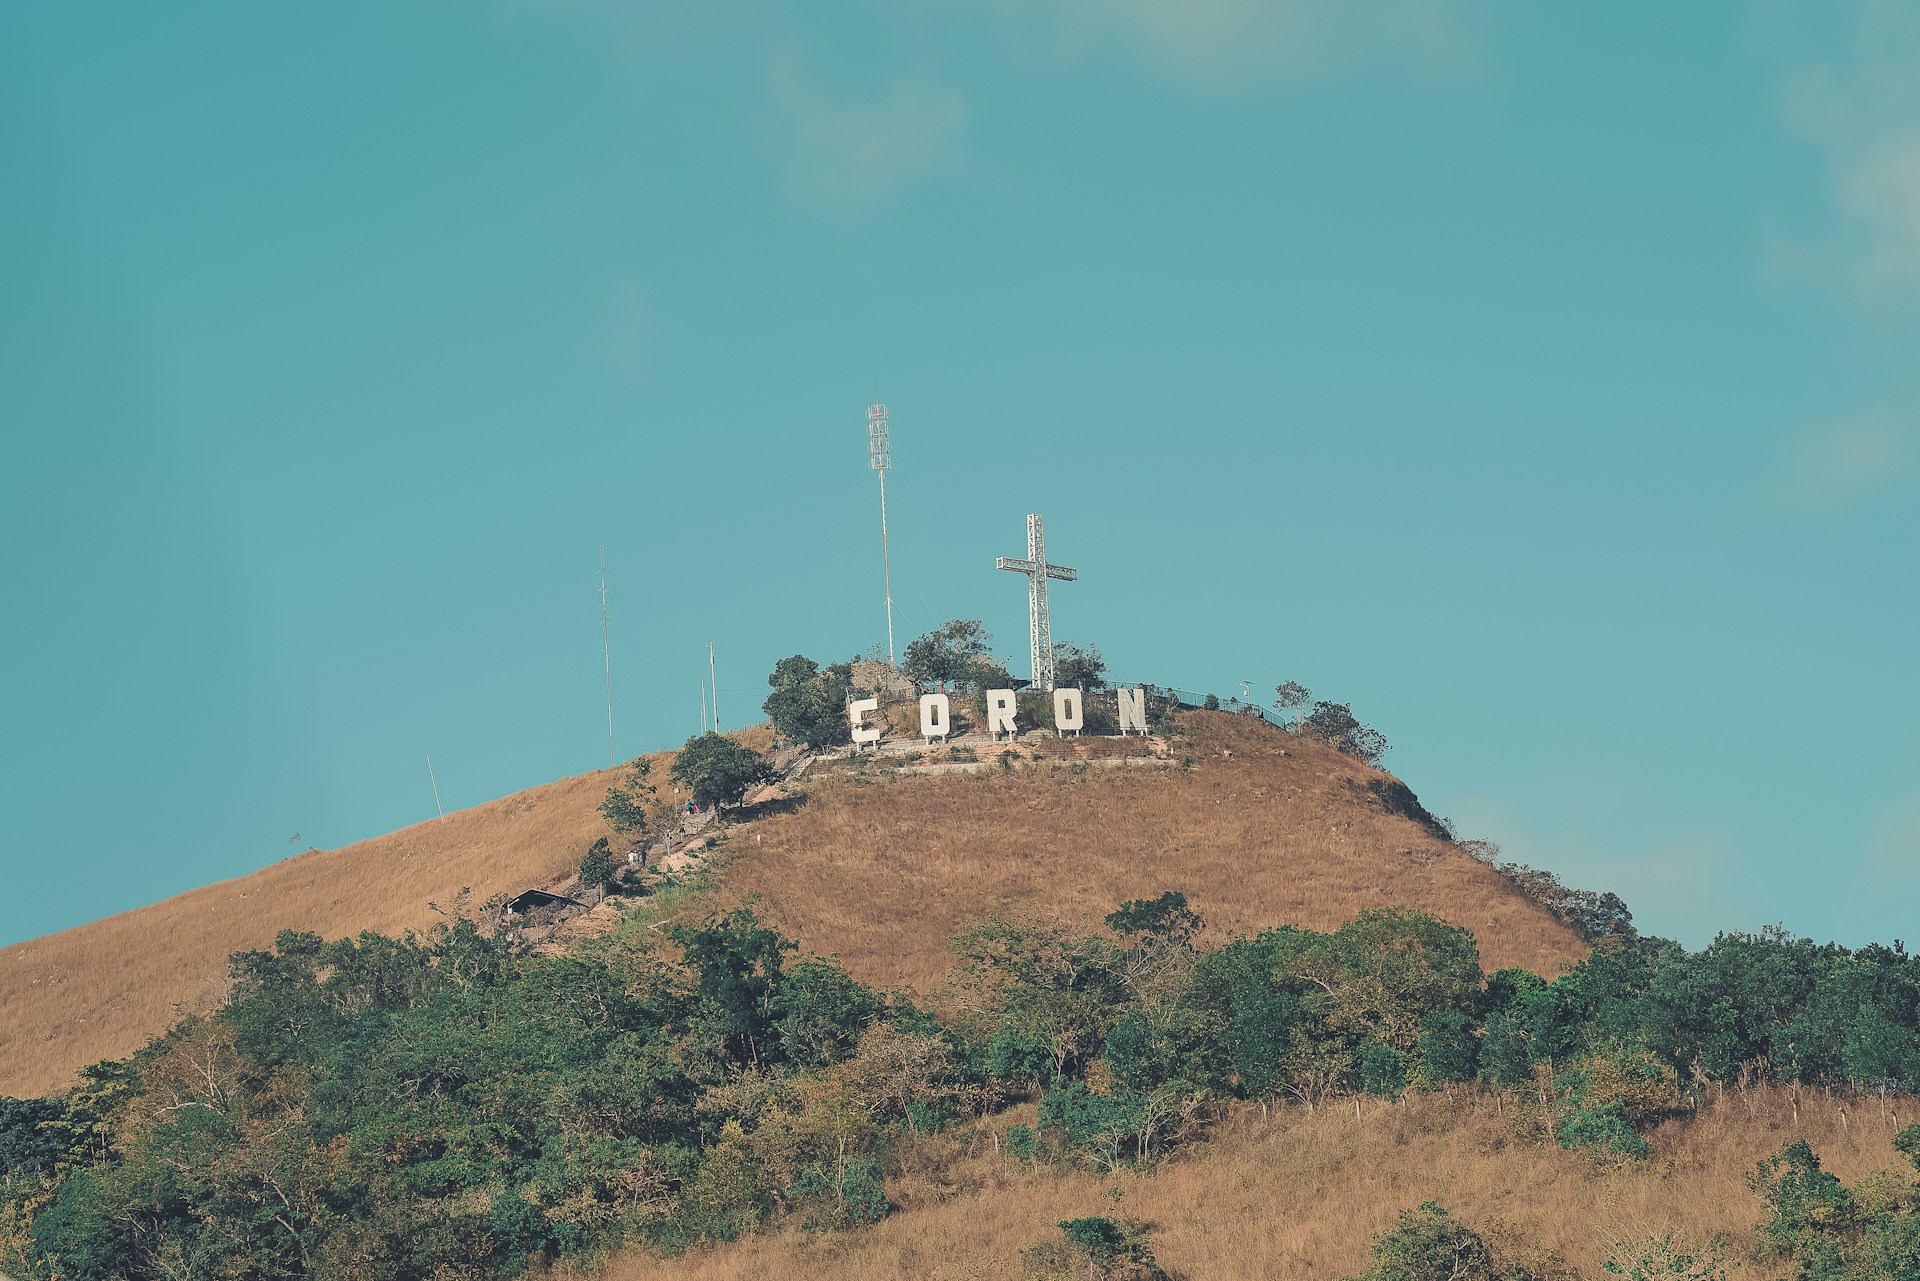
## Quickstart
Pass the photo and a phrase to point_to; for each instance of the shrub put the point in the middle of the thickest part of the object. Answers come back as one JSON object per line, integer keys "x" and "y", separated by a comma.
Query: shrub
{"x": 1335, "y": 725}
{"x": 1429, "y": 1244}
{"x": 626, "y": 807}
{"x": 845, "y": 1193}
{"x": 596, "y": 867}
{"x": 1096, "y": 1248}
{"x": 808, "y": 703}
{"x": 1658, "y": 1257}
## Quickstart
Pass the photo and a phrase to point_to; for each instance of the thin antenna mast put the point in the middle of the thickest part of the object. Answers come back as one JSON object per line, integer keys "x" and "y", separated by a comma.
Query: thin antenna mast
{"x": 880, "y": 458}
{"x": 703, "y": 704}
{"x": 436, "y": 789}
{"x": 713, "y": 682}
{"x": 606, "y": 653}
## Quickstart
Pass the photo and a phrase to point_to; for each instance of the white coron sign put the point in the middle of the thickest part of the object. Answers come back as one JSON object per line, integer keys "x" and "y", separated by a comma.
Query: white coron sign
{"x": 936, "y": 715}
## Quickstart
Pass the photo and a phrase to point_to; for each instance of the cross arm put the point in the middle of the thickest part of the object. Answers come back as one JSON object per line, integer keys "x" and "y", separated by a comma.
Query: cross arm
{"x": 1059, "y": 571}
{"x": 1019, "y": 566}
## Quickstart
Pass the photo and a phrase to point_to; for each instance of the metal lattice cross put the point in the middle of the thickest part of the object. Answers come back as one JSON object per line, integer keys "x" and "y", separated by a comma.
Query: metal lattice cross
{"x": 1035, "y": 567}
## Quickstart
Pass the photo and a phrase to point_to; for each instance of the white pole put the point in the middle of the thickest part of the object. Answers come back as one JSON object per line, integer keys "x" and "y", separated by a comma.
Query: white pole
{"x": 436, "y": 787}
{"x": 703, "y": 704}
{"x": 713, "y": 681}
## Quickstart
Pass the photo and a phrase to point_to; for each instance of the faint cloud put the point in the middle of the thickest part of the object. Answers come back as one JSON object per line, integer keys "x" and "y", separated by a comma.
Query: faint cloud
{"x": 1299, "y": 41}
{"x": 840, "y": 152}
{"x": 1862, "y": 109}
{"x": 1845, "y": 459}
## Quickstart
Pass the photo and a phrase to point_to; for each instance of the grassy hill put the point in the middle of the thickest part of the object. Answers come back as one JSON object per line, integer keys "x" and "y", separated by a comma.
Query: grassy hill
{"x": 880, "y": 868}
{"x": 1260, "y": 828}
{"x": 100, "y": 990}
{"x": 1294, "y": 1195}
{"x": 881, "y": 860}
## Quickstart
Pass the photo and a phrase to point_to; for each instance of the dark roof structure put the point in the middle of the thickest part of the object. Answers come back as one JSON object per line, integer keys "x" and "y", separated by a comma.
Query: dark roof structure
{"x": 527, "y": 900}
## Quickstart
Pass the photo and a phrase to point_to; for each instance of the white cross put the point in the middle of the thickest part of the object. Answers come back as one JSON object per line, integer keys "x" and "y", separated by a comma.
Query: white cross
{"x": 1035, "y": 567}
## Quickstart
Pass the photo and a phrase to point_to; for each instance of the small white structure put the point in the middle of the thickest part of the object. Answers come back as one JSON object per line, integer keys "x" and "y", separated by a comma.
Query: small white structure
{"x": 864, "y": 735}
{"x": 1000, "y": 708}
{"x": 1069, "y": 714}
{"x": 935, "y": 719}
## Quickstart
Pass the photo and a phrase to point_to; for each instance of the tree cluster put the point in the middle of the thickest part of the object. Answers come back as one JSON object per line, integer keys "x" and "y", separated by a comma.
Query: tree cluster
{"x": 957, "y": 654}
{"x": 1331, "y": 723}
{"x": 398, "y": 1108}
{"x": 809, "y": 702}
{"x": 387, "y": 1108}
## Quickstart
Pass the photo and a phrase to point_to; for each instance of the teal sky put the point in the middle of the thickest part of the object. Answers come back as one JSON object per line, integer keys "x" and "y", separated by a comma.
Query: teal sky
{"x": 1541, "y": 381}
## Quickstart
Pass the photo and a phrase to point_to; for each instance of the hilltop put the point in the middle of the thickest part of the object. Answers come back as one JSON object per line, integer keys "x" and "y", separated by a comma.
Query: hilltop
{"x": 1226, "y": 998}
{"x": 882, "y": 867}
{"x": 877, "y": 865}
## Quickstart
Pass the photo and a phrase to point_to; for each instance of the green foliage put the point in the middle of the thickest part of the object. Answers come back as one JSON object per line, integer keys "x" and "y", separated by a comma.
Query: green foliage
{"x": 1291, "y": 696}
{"x": 27, "y": 1149}
{"x": 1659, "y": 1257}
{"x": 1166, "y": 919}
{"x": 1043, "y": 996}
{"x": 821, "y": 1013}
{"x": 1335, "y": 725}
{"x": 446, "y": 1105}
{"x": 414, "y": 1107}
{"x": 809, "y": 703}
{"x": 1609, "y": 1091}
{"x": 1094, "y": 1249}
{"x": 626, "y": 805}
{"x": 1429, "y": 1244}
{"x": 1076, "y": 668}
{"x": 597, "y": 867}
{"x": 1104, "y": 1130}
{"x": 718, "y": 771}
{"x": 958, "y": 653}
{"x": 738, "y": 963}
{"x": 843, "y": 1193}
{"x": 1603, "y": 1130}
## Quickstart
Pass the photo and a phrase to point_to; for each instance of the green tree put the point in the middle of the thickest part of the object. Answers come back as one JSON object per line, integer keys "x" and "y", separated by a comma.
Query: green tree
{"x": 719, "y": 771}
{"x": 626, "y": 805}
{"x": 1335, "y": 725}
{"x": 1291, "y": 696}
{"x": 1660, "y": 1257}
{"x": 809, "y": 703}
{"x": 1076, "y": 668}
{"x": 1095, "y": 1248}
{"x": 596, "y": 867}
{"x": 959, "y": 651}
{"x": 1429, "y": 1244}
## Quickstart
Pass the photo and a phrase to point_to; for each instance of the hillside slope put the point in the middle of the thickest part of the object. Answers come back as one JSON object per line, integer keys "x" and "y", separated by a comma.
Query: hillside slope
{"x": 1294, "y": 1196}
{"x": 101, "y": 990}
{"x": 1261, "y": 829}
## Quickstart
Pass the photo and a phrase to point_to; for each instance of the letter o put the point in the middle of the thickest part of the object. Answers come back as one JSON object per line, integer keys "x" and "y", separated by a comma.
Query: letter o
{"x": 1068, "y": 711}
{"x": 933, "y": 716}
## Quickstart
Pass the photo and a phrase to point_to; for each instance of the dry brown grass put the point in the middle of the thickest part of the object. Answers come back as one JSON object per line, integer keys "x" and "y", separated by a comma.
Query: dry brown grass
{"x": 101, "y": 990}
{"x": 1264, "y": 829}
{"x": 884, "y": 874}
{"x": 1297, "y": 1195}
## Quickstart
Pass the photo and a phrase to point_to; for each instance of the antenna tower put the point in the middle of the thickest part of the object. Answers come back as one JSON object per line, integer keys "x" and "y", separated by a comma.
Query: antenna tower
{"x": 880, "y": 458}
{"x": 606, "y": 654}
{"x": 713, "y": 681}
